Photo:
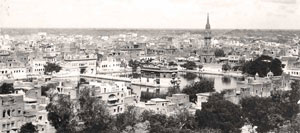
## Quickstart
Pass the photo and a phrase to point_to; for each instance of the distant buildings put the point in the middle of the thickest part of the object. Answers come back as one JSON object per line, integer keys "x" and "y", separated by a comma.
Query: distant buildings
{"x": 80, "y": 62}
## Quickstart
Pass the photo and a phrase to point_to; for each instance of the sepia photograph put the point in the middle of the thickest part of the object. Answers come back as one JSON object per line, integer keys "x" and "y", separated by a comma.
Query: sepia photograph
{"x": 149, "y": 66}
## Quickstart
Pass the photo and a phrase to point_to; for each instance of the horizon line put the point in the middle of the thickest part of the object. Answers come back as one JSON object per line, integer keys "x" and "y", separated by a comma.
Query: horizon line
{"x": 142, "y": 28}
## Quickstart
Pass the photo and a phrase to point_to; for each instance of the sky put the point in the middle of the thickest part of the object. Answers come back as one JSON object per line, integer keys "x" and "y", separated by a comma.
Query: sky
{"x": 186, "y": 14}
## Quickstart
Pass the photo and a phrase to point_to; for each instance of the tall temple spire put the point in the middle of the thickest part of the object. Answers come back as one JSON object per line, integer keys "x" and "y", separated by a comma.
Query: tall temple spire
{"x": 207, "y": 23}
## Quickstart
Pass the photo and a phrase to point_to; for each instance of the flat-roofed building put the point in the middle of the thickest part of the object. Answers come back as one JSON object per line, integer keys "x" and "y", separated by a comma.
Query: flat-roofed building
{"x": 12, "y": 112}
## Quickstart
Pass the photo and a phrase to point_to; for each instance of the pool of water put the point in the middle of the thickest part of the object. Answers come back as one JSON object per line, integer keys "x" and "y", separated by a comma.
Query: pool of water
{"x": 220, "y": 82}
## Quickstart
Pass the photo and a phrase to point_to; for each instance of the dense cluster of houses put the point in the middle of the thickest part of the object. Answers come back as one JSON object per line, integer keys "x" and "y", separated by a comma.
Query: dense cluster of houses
{"x": 101, "y": 63}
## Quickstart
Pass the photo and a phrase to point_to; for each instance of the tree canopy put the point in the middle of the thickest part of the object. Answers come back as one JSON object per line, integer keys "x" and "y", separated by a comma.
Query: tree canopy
{"x": 190, "y": 76}
{"x": 172, "y": 63}
{"x": 61, "y": 115}
{"x": 226, "y": 67}
{"x": 92, "y": 112}
{"x": 134, "y": 64}
{"x": 6, "y": 88}
{"x": 219, "y": 53}
{"x": 262, "y": 65}
{"x": 219, "y": 113}
{"x": 87, "y": 115}
{"x": 189, "y": 65}
{"x": 28, "y": 128}
{"x": 201, "y": 86}
{"x": 271, "y": 112}
{"x": 51, "y": 67}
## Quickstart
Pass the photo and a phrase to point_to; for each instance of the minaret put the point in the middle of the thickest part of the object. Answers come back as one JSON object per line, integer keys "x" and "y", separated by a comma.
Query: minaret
{"x": 207, "y": 36}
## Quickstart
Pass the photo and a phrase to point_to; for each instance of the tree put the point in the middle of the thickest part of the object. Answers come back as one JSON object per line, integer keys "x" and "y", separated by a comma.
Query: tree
{"x": 189, "y": 65}
{"x": 219, "y": 113}
{"x": 51, "y": 67}
{"x": 172, "y": 63}
{"x": 134, "y": 64}
{"x": 28, "y": 128}
{"x": 219, "y": 53}
{"x": 160, "y": 123}
{"x": 290, "y": 126}
{"x": 201, "y": 86}
{"x": 45, "y": 89}
{"x": 276, "y": 67}
{"x": 262, "y": 65}
{"x": 6, "y": 88}
{"x": 226, "y": 67}
{"x": 61, "y": 114}
{"x": 270, "y": 113}
{"x": 93, "y": 114}
{"x": 190, "y": 76}
{"x": 128, "y": 119}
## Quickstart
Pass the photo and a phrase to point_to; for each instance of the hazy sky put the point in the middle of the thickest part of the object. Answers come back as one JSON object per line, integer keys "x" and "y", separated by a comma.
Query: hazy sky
{"x": 242, "y": 14}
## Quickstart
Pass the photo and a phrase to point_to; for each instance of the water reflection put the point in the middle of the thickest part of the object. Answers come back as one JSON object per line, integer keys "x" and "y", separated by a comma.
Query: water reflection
{"x": 220, "y": 82}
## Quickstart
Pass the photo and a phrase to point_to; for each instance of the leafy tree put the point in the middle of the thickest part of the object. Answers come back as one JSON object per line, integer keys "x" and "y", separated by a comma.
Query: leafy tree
{"x": 276, "y": 67}
{"x": 190, "y": 76}
{"x": 219, "y": 113}
{"x": 51, "y": 67}
{"x": 28, "y": 128}
{"x": 157, "y": 121}
{"x": 6, "y": 88}
{"x": 160, "y": 123}
{"x": 189, "y": 65}
{"x": 226, "y": 67}
{"x": 259, "y": 112}
{"x": 93, "y": 113}
{"x": 128, "y": 119}
{"x": 219, "y": 53}
{"x": 61, "y": 115}
{"x": 270, "y": 113}
{"x": 134, "y": 64}
{"x": 262, "y": 66}
{"x": 201, "y": 86}
{"x": 46, "y": 88}
{"x": 290, "y": 126}
{"x": 172, "y": 63}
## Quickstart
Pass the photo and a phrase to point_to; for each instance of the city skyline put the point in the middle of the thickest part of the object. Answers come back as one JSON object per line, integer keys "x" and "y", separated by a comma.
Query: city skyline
{"x": 142, "y": 14}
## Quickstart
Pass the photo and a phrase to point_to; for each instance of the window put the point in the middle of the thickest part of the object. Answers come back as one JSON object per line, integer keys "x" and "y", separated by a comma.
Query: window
{"x": 8, "y": 112}
{"x": 3, "y": 115}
